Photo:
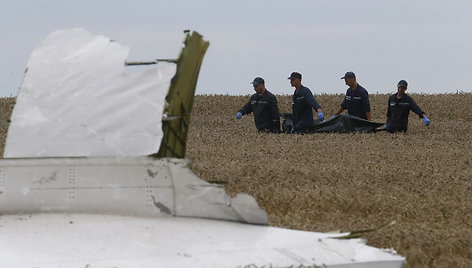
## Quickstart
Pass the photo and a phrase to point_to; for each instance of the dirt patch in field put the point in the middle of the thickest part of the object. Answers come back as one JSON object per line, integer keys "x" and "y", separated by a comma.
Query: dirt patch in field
{"x": 326, "y": 182}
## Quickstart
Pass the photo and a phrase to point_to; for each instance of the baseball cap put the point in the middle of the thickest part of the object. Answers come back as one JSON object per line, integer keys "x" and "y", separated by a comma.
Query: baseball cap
{"x": 257, "y": 81}
{"x": 349, "y": 75}
{"x": 295, "y": 75}
{"x": 403, "y": 83}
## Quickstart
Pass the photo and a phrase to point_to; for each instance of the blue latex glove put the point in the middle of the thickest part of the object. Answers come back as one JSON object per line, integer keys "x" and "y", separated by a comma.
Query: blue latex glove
{"x": 292, "y": 130}
{"x": 386, "y": 125}
{"x": 239, "y": 115}
{"x": 426, "y": 121}
{"x": 321, "y": 116}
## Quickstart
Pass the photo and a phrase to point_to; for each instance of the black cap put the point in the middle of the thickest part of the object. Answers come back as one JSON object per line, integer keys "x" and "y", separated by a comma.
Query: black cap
{"x": 295, "y": 75}
{"x": 258, "y": 81}
{"x": 403, "y": 83}
{"x": 349, "y": 75}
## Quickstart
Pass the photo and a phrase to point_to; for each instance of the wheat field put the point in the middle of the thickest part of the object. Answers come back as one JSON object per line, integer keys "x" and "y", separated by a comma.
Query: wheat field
{"x": 327, "y": 181}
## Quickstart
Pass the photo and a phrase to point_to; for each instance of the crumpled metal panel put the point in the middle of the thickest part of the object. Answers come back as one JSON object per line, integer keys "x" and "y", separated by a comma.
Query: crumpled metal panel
{"x": 76, "y": 100}
{"x": 73, "y": 240}
{"x": 179, "y": 106}
{"x": 142, "y": 186}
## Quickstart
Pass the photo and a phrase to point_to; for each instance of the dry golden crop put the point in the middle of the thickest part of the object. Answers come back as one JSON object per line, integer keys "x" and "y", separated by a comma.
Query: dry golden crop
{"x": 6, "y": 105}
{"x": 325, "y": 182}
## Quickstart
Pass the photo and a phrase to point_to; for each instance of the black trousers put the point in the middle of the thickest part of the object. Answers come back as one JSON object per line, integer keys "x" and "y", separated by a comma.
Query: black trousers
{"x": 396, "y": 130}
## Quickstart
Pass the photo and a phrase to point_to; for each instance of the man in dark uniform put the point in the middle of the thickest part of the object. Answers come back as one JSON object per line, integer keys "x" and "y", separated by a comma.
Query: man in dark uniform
{"x": 264, "y": 106}
{"x": 356, "y": 100}
{"x": 302, "y": 103}
{"x": 399, "y": 106}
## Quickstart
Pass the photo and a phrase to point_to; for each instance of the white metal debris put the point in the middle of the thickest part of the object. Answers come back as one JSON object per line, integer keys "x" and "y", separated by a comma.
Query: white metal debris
{"x": 141, "y": 186}
{"x": 60, "y": 240}
{"x": 76, "y": 100}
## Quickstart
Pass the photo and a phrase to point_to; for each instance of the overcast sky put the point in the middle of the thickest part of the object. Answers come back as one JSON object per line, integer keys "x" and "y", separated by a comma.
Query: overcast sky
{"x": 426, "y": 42}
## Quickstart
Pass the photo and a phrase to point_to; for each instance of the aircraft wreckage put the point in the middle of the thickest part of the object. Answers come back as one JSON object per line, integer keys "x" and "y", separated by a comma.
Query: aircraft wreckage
{"x": 94, "y": 173}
